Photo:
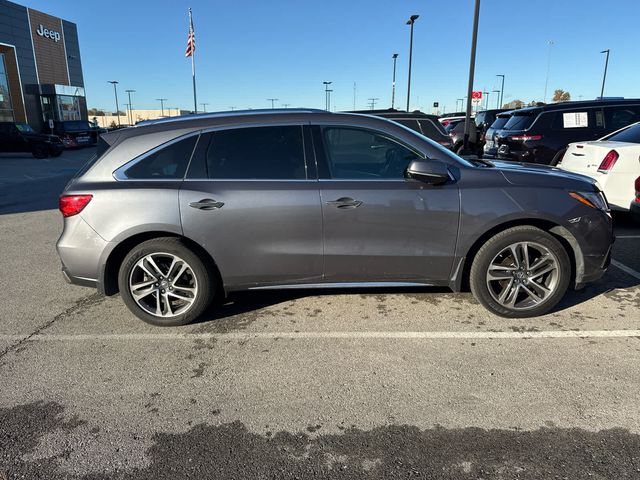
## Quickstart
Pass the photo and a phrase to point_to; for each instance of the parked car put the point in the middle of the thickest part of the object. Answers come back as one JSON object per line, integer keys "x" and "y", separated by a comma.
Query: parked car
{"x": 612, "y": 161}
{"x": 484, "y": 120}
{"x": 76, "y": 133}
{"x": 456, "y": 132}
{"x": 420, "y": 122}
{"x": 20, "y": 137}
{"x": 453, "y": 119}
{"x": 490, "y": 146}
{"x": 541, "y": 134}
{"x": 177, "y": 213}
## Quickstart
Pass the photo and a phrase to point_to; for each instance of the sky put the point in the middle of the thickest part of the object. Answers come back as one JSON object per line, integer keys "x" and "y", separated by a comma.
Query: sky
{"x": 250, "y": 50}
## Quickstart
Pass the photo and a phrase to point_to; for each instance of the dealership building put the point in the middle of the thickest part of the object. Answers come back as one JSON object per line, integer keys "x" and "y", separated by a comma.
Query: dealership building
{"x": 40, "y": 68}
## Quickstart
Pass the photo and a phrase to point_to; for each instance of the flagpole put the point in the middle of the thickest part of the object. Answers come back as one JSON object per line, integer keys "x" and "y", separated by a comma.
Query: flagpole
{"x": 193, "y": 67}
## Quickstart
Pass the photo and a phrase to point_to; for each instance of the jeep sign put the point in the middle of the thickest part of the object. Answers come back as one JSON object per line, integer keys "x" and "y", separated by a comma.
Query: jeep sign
{"x": 45, "y": 32}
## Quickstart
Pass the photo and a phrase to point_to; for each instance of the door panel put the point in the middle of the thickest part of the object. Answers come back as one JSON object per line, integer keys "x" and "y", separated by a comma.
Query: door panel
{"x": 266, "y": 232}
{"x": 402, "y": 231}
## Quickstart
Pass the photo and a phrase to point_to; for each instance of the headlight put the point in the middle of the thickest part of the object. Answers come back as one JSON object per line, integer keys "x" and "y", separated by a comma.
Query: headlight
{"x": 595, "y": 200}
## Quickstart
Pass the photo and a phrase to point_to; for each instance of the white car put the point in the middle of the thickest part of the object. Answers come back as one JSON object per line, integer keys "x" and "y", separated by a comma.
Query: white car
{"x": 614, "y": 161}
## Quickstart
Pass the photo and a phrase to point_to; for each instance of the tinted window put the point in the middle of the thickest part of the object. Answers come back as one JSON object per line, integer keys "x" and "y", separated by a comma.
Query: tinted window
{"x": 431, "y": 130}
{"x": 75, "y": 125}
{"x": 167, "y": 163}
{"x": 275, "y": 153}
{"x": 362, "y": 154}
{"x": 499, "y": 123}
{"x": 412, "y": 124}
{"x": 480, "y": 118}
{"x": 630, "y": 135}
{"x": 618, "y": 117}
{"x": 520, "y": 121}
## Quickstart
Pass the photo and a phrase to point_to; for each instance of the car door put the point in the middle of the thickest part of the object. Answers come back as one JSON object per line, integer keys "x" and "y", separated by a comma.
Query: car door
{"x": 252, "y": 202}
{"x": 379, "y": 226}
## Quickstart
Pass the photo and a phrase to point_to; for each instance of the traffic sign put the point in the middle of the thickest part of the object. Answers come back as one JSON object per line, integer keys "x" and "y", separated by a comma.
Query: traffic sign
{"x": 476, "y": 95}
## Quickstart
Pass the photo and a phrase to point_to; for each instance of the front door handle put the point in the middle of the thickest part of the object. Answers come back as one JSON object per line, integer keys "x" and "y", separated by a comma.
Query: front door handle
{"x": 206, "y": 204}
{"x": 345, "y": 202}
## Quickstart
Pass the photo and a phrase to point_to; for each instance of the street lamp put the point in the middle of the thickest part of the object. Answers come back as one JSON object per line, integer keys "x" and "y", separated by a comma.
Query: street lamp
{"x": 161, "y": 100}
{"x": 486, "y": 100}
{"x": 326, "y": 95}
{"x": 411, "y": 21}
{"x": 115, "y": 91}
{"x": 393, "y": 84}
{"x": 204, "y": 107}
{"x": 372, "y": 103}
{"x": 285, "y": 105}
{"x": 129, "y": 92}
{"x": 546, "y": 80}
{"x": 501, "y": 90}
{"x": 498, "y": 98}
{"x": 273, "y": 100}
{"x": 604, "y": 77}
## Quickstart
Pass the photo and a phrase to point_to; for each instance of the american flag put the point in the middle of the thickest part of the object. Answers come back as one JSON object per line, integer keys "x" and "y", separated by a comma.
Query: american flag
{"x": 191, "y": 40}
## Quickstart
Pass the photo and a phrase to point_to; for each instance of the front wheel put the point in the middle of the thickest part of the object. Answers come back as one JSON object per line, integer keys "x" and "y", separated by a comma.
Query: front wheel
{"x": 164, "y": 283}
{"x": 520, "y": 272}
{"x": 39, "y": 151}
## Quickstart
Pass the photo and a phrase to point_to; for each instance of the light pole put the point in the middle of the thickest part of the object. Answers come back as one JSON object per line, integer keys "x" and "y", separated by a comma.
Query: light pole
{"x": 372, "y": 103}
{"x": 459, "y": 100}
{"x": 604, "y": 77}
{"x": 161, "y": 100}
{"x": 486, "y": 100}
{"x": 232, "y": 108}
{"x": 501, "y": 90}
{"x": 273, "y": 100}
{"x": 285, "y": 105}
{"x": 393, "y": 84}
{"x": 546, "y": 80}
{"x": 498, "y": 98}
{"x": 204, "y": 107}
{"x": 129, "y": 92}
{"x": 472, "y": 68}
{"x": 411, "y": 21}
{"x": 115, "y": 91}
{"x": 326, "y": 95}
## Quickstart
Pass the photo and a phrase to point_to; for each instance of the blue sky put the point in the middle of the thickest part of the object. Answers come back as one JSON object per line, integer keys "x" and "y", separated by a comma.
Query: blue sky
{"x": 248, "y": 50}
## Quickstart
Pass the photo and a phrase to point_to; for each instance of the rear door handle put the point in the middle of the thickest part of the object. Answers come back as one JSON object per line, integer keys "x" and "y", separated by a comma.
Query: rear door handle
{"x": 206, "y": 204}
{"x": 345, "y": 202}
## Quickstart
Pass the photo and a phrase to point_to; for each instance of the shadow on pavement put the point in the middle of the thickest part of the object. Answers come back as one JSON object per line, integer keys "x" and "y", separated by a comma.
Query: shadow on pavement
{"x": 232, "y": 451}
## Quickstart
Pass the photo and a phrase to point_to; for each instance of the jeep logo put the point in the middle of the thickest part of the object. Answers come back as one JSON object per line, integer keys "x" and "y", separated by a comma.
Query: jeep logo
{"x": 45, "y": 32}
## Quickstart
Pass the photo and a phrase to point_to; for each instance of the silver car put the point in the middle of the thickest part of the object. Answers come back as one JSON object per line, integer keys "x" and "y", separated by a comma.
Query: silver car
{"x": 177, "y": 213}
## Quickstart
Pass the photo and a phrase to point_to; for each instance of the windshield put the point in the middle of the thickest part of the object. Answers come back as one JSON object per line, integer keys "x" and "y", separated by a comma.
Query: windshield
{"x": 24, "y": 128}
{"x": 631, "y": 134}
{"x": 520, "y": 121}
{"x": 75, "y": 125}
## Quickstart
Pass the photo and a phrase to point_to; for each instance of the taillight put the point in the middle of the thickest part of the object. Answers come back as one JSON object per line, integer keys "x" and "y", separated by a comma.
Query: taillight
{"x": 637, "y": 186}
{"x": 608, "y": 162}
{"x": 73, "y": 204}
{"x": 445, "y": 123}
{"x": 525, "y": 138}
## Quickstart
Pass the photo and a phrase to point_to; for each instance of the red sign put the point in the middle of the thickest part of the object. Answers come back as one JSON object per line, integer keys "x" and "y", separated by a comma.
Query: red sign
{"x": 476, "y": 95}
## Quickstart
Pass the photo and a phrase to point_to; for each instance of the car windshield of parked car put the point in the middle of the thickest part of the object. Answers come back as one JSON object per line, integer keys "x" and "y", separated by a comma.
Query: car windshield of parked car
{"x": 75, "y": 125}
{"x": 500, "y": 122}
{"x": 628, "y": 135}
{"x": 24, "y": 128}
{"x": 520, "y": 121}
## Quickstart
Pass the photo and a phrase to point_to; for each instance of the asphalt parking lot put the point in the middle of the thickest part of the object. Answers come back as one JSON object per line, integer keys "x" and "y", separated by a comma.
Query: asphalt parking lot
{"x": 341, "y": 384}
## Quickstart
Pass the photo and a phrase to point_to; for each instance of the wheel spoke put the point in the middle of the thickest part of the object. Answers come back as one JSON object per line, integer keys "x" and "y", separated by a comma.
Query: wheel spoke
{"x": 154, "y": 265}
{"x": 140, "y": 294}
{"x": 505, "y": 291}
{"x": 167, "y": 302}
{"x": 542, "y": 271}
{"x": 138, "y": 286}
{"x": 532, "y": 295}
{"x": 500, "y": 273}
{"x": 183, "y": 269}
{"x": 158, "y": 307}
{"x": 510, "y": 300}
{"x": 514, "y": 254}
{"x": 525, "y": 254}
{"x": 181, "y": 297}
{"x": 541, "y": 288}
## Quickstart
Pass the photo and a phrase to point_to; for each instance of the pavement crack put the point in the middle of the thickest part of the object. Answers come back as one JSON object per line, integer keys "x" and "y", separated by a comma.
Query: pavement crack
{"x": 77, "y": 306}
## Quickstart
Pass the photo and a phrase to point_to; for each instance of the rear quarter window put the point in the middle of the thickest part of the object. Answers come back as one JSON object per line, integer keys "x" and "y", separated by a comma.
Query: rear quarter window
{"x": 412, "y": 124}
{"x": 166, "y": 163}
{"x": 521, "y": 121}
{"x": 431, "y": 130}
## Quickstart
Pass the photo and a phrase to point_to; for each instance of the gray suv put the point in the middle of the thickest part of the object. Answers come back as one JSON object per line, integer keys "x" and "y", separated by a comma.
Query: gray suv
{"x": 177, "y": 213}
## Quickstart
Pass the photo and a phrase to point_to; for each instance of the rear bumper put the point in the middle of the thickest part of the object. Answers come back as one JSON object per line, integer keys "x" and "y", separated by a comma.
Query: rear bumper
{"x": 83, "y": 282}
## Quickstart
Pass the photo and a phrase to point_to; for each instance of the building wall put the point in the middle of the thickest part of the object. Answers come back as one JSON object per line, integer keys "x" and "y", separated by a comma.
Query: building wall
{"x": 73, "y": 53}
{"x": 50, "y": 54}
{"x": 137, "y": 115}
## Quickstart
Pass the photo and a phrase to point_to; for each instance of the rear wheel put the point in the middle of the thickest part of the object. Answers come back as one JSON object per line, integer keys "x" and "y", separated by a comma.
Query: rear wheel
{"x": 520, "y": 272}
{"x": 39, "y": 151}
{"x": 557, "y": 157}
{"x": 164, "y": 283}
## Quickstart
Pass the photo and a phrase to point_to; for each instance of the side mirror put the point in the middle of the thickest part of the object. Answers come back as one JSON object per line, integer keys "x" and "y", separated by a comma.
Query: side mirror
{"x": 432, "y": 172}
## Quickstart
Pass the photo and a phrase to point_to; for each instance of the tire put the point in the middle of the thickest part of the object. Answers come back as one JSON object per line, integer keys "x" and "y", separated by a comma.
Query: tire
{"x": 39, "y": 151}
{"x": 56, "y": 153}
{"x": 515, "y": 282}
{"x": 195, "y": 284}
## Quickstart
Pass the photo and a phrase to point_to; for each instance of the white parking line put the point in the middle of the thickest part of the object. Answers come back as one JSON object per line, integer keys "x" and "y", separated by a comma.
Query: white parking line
{"x": 626, "y": 269}
{"x": 627, "y": 236}
{"x": 329, "y": 335}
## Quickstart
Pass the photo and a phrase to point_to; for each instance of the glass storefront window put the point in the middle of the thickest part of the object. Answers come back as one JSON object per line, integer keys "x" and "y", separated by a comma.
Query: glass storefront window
{"x": 69, "y": 107}
{"x": 6, "y": 109}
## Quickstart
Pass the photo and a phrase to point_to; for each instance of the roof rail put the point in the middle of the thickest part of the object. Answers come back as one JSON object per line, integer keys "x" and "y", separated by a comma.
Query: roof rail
{"x": 229, "y": 113}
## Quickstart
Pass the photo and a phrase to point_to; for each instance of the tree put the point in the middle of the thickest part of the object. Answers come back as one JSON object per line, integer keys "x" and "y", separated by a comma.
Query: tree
{"x": 514, "y": 104}
{"x": 95, "y": 112}
{"x": 561, "y": 96}
{"x": 113, "y": 124}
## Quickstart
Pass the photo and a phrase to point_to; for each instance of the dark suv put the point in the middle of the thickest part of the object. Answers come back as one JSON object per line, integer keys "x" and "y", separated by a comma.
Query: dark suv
{"x": 427, "y": 125}
{"x": 541, "y": 134}
{"x": 76, "y": 133}
{"x": 20, "y": 137}
{"x": 490, "y": 146}
{"x": 177, "y": 213}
